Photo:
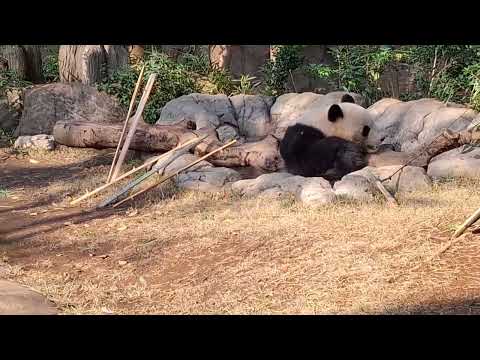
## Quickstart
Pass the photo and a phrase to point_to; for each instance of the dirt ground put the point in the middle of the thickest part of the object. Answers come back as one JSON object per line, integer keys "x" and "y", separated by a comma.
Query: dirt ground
{"x": 173, "y": 252}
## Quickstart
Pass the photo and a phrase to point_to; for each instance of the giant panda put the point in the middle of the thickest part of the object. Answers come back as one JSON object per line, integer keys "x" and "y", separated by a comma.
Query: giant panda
{"x": 328, "y": 142}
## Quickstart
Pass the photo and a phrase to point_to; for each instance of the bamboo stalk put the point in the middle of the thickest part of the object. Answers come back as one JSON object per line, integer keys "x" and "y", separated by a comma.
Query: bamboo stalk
{"x": 133, "y": 127}
{"x": 165, "y": 178}
{"x": 372, "y": 178}
{"x": 147, "y": 163}
{"x": 469, "y": 222}
{"x": 130, "y": 109}
{"x": 160, "y": 165}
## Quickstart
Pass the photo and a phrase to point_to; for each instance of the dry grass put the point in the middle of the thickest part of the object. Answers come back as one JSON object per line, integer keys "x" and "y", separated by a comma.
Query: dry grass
{"x": 216, "y": 253}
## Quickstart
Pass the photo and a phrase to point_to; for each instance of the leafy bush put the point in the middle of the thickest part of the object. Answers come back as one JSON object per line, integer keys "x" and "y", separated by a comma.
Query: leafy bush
{"x": 245, "y": 85}
{"x": 9, "y": 79}
{"x": 199, "y": 64}
{"x": 356, "y": 69}
{"x": 276, "y": 73}
{"x": 190, "y": 73}
{"x": 446, "y": 72}
{"x": 222, "y": 81}
{"x": 50, "y": 68}
{"x": 173, "y": 80}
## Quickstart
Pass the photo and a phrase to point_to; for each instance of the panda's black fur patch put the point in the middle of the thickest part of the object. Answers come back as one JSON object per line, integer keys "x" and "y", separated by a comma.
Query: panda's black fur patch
{"x": 334, "y": 113}
{"x": 308, "y": 152}
{"x": 347, "y": 98}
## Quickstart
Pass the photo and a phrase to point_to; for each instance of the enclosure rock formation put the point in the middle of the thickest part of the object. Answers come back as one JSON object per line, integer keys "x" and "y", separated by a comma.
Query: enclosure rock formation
{"x": 44, "y": 105}
{"x": 258, "y": 122}
{"x": 456, "y": 164}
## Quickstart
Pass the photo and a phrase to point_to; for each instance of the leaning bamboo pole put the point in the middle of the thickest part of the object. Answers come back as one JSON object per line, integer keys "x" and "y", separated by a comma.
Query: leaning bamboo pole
{"x": 469, "y": 222}
{"x": 165, "y": 178}
{"x": 133, "y": 126}
{"x": 147, "y": 163}
{"x": 130, "y": 109}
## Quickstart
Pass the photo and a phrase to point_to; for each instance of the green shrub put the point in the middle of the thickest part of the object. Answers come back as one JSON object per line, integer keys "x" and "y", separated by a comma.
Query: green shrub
{"x": 222, "y": 81}
{"x": 245, "y": 85}
{"x": 276, "y": 73}
{"x": 173, "y": 80}
{"x": 446, "y": 72}
{"x": 9, "y": 80}
{"x": 199, "y": 64}
{"x": 50, "y": 68}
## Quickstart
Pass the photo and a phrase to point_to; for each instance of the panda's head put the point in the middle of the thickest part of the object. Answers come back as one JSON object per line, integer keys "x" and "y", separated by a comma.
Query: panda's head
{"x": 349, "y": 121}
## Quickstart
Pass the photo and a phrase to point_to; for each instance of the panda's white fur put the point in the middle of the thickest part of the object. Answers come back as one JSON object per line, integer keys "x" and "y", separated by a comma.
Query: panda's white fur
{"x": 328, "y": 140}
{"x": 348, "y": 127}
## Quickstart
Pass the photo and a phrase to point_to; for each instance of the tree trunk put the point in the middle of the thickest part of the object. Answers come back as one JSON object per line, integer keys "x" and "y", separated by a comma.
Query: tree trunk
{"x": 239, "y": 59}
{"x": 16, "y": 59}
{"x": 136, "y": 53}
{"x": 90, "y": 64}
{"x": 151, "y": 138}
{"x": 34, "y": 63}
{"x": 220, "y": 56}
{"x": 25, "y": 60}
{"x": 116, "y": 57}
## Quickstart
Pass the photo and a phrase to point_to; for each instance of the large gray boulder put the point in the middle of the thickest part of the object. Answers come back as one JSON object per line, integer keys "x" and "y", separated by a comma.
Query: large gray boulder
{"x": 207, "y": 179}
{"x": 253, "y": 115}
{"x": 201, "y": 109}
{"x": 310, "y": 191}
{"x": 456, "y": 164}
{"x": 410, "y": 178}
{"x": 182, "y": 161}
{"x": 44, "y": 105}
{"x": 356, "y": 185}
{"x": 203, "y": 176}
{"x": 410, "y": 125}
{"x": 226, "y": 133}
{"x": 38, "y": 142}
{"x": 291, "y": 106}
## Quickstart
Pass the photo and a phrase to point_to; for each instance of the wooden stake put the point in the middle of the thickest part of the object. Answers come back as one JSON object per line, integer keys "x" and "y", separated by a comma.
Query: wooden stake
{"x": 149, "y": 162}
{"x": 131, "y": 132}
{"x": 469, "y": 222}
{"x": 132, "y": 102}
{"x": 165, "y": 178}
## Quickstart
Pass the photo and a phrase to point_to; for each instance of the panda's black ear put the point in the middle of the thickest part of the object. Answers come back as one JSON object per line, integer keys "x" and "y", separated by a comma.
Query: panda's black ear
{"x": 334, "y": 113}
{"x": 347, "y": 98}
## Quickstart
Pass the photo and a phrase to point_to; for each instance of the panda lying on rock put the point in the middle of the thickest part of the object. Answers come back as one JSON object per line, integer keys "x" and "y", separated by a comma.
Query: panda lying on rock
{"x": 329, "y": 142}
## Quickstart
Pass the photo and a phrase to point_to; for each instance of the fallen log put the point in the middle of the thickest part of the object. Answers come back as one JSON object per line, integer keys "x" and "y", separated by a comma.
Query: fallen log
{"x": 262, "y": 154}
{"x": 100, "y": 136}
